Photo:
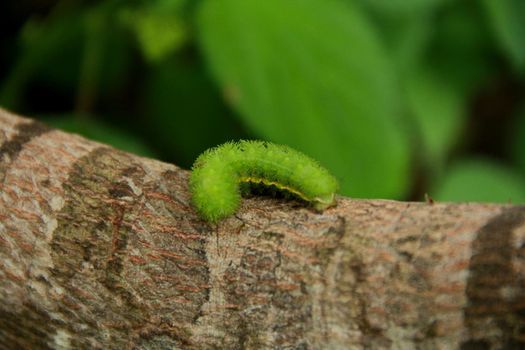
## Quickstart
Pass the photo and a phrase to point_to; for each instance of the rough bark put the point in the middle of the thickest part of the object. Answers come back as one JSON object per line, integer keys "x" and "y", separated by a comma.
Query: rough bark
{"x": 100, "y": 249}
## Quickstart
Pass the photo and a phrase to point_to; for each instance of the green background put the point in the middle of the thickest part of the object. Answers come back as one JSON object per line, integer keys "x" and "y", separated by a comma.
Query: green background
{"x": 398, "y": 98}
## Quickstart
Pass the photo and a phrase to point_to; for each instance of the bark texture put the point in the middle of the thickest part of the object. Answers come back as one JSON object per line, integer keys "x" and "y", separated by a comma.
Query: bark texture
{"x": 100, "y": 249}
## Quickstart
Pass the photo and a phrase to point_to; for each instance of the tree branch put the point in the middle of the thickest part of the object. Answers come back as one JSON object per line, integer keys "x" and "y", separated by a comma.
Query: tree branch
{"x": 100, "y": 249}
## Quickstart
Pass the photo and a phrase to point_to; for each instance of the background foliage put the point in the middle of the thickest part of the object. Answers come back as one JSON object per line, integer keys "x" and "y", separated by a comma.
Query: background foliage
{"x": 397, "y": 98}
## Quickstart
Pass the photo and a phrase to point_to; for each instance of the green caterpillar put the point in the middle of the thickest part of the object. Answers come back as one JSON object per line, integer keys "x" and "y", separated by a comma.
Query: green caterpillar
{"x": 217, "y": 174}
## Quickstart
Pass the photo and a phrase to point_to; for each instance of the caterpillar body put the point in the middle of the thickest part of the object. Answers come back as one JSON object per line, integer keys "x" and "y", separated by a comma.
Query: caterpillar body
{"x": 218, "y": 172}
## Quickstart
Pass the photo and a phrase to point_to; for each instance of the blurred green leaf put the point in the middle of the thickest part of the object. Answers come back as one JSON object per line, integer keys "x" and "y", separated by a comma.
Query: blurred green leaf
{"x": 40, "y": 42}
{"x": 481, "y": 181}
{"x": 185, "y": 111}
{"x": 439, "y": 111}
{"x": 159, "y": 27}
{"x": 402, "y": 7}
{"x": 97, "y": 130}
{"x": 57, "y": 39}
{"x": 406, "y": 27}
{"x": 317, "y": 80}
{"x": 508, "y": 22}
{"x": 460, "y": 50}
{"x": 105, "y": 60}
{"x": 407, "y": 39}
{"x": 518, "y": 140}
{"x": 57, "y": 50}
